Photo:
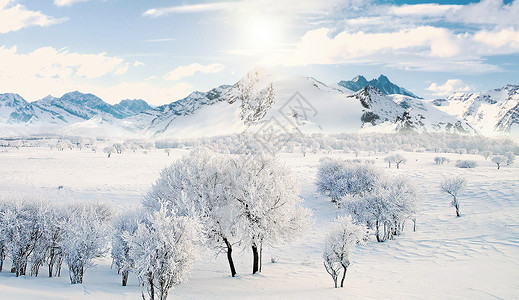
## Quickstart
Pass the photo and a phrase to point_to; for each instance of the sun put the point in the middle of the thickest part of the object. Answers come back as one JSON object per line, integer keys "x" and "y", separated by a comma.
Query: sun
{"x": 262, "y": 33}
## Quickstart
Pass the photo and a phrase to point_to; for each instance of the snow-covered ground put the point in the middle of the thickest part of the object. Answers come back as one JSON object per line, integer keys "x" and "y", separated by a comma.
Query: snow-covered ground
{"x": 474, "y": 256}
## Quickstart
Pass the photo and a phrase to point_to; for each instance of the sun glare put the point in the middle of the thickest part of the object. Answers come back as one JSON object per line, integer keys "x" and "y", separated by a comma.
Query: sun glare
{"x": 262, "y": 33}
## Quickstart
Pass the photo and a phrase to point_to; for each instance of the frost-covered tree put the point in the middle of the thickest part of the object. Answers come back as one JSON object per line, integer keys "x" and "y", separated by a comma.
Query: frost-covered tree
{"x": 343, "y": 236}
{"x": 399, "y": 159}
{"x": 118, "y": 148}
{"x": 198, "y": 186}
{"x": 86, "y": 236}
{"x": 453, "y": 186}
{"x": 109, "y": 151}
{"x": 338, "y": 178}
{"x": 510, "y": 157}
{"x": 168, "y": 151}
{"x": 23, "y": 229}
{"x": 499, "y": 160}
{"x": 163, "y": 249}
{"x": 270, "y": 210}
{"x": 386, "y": 208}
{"x": 486, "y": 154}
{"x": 125, "y": 224}
{"x": 389, "y": 160}
{"x": 440, "y": 160}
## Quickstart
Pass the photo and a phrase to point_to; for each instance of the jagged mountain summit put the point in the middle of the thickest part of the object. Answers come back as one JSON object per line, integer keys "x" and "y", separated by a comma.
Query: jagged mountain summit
{"x": 264, "y": 99}
{"x": 382, "y": 83}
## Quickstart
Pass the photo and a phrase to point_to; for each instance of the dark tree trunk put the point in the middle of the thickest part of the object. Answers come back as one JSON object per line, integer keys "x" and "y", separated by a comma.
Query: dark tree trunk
{"x": 2, "y": 257}
{"x": 343, "y": 275}
{"x": 229, "y": 257}
{"x": 255, "y": 259}
{"x": 260, "y": 257}
{"x": 125, "y": 277}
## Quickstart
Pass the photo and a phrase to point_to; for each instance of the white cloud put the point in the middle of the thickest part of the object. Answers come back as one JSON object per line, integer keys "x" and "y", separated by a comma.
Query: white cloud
{"x": 138, "y": 63}
{"x": 190, "y": 70}
{"x": 286, "y": 7}
{"x": 195, "y": 8}
{"x": 429, "y": 9}
{"x": 319, "y": 47}
{"x": 506, "y": 38}
{"x": 47, "y": 71}
{"x": 67, "y": 2}
{"x": 449, "y": 87}
{"x": 14, "y": 16}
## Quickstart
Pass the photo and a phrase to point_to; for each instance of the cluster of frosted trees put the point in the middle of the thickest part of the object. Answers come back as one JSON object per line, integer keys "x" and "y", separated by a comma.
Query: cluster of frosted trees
{"x": 210, "y": 199}
{"x": 375, "y": 142}
{"x": 381, "y": 202}
{"x": 204, "y": 199}
{"x": 374, "y": 203}
{"x": 36, "y": 233}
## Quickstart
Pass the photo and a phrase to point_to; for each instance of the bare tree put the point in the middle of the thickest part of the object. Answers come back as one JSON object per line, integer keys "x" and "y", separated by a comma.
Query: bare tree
{"x": 453, "y": 186}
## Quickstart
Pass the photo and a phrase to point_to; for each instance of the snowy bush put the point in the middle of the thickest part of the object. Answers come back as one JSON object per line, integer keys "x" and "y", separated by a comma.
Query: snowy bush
{"x": 342, "y": 237}
{"x": 453, "y": 186}
{"x": 86, "y": 236}
{"x": 466, "y": 164}
{"x": 163, "y": 249}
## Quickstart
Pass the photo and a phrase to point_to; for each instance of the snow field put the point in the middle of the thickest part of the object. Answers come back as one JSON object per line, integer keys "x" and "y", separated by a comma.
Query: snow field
{"x": 476, "y": 255}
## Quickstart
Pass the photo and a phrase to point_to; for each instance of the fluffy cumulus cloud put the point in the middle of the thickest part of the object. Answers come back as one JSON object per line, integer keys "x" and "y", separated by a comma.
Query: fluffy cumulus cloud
{"x": 15, "y": 16}
{"x": 449, "y": 87}
{"x": 190, "y": 70}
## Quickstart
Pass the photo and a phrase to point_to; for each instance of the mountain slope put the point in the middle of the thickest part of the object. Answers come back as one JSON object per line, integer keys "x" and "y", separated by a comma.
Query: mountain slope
{"x": 488, "y": 112}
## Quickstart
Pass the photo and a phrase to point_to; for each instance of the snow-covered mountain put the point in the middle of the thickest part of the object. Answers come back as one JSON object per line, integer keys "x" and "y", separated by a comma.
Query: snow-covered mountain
{"x": 399, "y": 113}
{"x": 488, "y": 112}
{"x": 382, "y": 83}
{"x": 264, "y": 101}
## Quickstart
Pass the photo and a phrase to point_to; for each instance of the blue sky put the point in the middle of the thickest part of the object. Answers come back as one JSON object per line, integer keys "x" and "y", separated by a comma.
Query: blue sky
{"x": 162, "y": 50}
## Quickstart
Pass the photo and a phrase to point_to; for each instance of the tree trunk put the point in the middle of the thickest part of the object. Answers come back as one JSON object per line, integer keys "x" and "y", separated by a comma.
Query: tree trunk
{"x": 377, "y": 231}
{"x": 2, "y": 257}
{"x": 229, "y": 257}
{"x": 343, "y": 275}
{"x": 125, "y": 277}
{"x": 255, "y": 259}
{"x": 260, "y": 256}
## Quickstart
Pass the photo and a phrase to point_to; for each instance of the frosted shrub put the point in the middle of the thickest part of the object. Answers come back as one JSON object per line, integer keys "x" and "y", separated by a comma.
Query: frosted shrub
{"x": 466, "y": 164}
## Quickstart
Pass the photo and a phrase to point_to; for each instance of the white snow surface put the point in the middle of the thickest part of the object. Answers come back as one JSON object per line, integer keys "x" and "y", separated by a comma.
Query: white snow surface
{"x": 474, "y": 256}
